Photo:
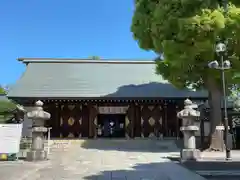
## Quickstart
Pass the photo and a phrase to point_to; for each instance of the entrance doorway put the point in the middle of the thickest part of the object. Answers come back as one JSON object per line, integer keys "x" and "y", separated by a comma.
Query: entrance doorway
{"x": 111, "y": 125}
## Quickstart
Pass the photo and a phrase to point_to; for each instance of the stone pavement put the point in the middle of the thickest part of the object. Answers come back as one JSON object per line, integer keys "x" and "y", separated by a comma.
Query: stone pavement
{"x": 213, "y": 166}
{"x": 112, "y": 160}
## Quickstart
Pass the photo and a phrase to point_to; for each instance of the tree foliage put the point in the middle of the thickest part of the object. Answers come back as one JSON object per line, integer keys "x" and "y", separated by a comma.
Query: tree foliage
{"x": 94, "y": 57}
{"x": 6, "y": 106}
{"x": 2, "y": 90}
{"x": 186, "y": 32}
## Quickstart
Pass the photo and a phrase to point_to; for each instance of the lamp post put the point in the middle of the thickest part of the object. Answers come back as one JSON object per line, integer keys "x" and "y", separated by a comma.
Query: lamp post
{"x": 221, "y": 51}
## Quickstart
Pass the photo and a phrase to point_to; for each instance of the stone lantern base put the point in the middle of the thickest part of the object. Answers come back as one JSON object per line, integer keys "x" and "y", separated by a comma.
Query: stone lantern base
{"x": 190, "y": 155}
{"x": 37, "y": 155}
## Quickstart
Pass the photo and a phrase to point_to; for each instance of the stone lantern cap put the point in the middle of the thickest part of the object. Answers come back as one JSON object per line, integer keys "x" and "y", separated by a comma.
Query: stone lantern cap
{"x": 39, "y": 103}
{"x": 189, "y": 110}
{"x": 38, "y": 112}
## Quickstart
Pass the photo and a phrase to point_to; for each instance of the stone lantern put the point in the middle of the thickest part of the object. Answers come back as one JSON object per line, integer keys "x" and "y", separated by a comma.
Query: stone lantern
{"x": 188, "y": 116}
{"x": 38, "y": 117}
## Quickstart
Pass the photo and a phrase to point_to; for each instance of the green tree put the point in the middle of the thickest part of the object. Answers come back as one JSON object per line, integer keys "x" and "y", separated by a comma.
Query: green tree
{"x": 235, "y": 92}
{"x": 2, "y": 90}
{"x": 186, "y": 32}
{"x": 235, "y": 96}
{"x": 94, "y": 57}
{"x": 6, "y": 106}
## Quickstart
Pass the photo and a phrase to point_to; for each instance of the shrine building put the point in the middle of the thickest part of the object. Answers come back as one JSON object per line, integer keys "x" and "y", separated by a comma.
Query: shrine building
{"x": 102, "y": 98}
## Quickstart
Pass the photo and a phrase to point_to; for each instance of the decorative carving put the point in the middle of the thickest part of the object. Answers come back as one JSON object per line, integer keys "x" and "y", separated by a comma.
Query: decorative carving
{"x": 151, "y": 135}
{"x": 160, "y": 120}
{"x": 126, "y": 121}
{"x": 71, "y": 135}
{"x": 71, "y": 107}
{"x": 95, "y": 121}
{"x": 129, "y": 120}
{"x": 93, "y": 112}
{"x": 142, "y": 121}
{"x": 61, "y": 121}
{"x": 71, "y": 121}
{"x": 151, "y": 121}
{"x": 151, "y": 107}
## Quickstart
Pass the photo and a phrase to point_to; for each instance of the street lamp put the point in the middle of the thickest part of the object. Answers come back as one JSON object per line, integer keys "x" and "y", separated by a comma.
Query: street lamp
{"x": 221, "y": 51}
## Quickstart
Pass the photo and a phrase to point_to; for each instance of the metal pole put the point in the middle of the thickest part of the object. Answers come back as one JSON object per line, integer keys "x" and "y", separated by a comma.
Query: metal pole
{"x": 225, "y": 4}
{"x": 228, "y": 154}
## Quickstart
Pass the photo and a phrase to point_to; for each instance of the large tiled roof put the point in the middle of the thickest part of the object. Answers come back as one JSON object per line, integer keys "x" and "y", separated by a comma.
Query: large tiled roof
{"x": 68, "y": 78}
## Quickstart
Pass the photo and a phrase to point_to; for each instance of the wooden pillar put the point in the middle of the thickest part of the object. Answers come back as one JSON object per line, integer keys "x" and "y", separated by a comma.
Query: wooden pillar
{"x": 165, "y": 119}
{"x": 177, "y": 123}
{"x": 56, "y": 128}
{"x": 93, "y": 112}
{"x": 133, "y": 119}
{"x": 137, "y": 125}
{"x": 85, "y": 121}
{"x": 129, "y": 122}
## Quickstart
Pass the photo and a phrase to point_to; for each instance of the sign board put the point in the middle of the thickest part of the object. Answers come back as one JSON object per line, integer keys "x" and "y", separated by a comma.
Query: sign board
{"x": 112, "y": 109}
{"x": 10, "y": 137}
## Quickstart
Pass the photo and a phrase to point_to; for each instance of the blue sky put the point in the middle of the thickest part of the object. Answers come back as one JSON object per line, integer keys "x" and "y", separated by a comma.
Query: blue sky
{"x": 58, "y": 28}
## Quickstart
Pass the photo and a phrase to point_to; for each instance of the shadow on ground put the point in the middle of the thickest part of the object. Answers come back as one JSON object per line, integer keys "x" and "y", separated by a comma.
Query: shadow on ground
{"x": 149, "y": 171}
{"x": 214, "y": 164}
{"x": 210, "y": 169}
{"x": 134, "y": 145}
{"x": 217, "y": 165}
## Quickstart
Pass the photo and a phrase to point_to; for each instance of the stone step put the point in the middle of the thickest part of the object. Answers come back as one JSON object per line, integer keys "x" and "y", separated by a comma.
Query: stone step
{"x": 219, "y": 173}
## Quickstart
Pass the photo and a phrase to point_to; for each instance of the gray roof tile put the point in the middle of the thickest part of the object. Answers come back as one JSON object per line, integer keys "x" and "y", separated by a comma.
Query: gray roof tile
{"x": 89, "y": 79}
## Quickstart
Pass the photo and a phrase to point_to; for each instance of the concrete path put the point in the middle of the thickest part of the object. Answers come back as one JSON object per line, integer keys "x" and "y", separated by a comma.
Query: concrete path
{"x": 102, "y": 160}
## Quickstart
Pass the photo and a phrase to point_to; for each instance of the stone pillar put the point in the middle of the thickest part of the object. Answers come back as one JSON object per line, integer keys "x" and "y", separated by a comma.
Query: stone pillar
{"x": 38, "y": 116}
{"x": 188, "y": 116}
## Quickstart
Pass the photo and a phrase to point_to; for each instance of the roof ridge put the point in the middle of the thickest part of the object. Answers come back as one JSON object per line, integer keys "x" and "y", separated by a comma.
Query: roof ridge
{"x": 85, "y": 60}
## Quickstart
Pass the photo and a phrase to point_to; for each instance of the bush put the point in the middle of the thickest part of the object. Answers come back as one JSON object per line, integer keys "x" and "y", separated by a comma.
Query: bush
{"x": 6, "y": 106}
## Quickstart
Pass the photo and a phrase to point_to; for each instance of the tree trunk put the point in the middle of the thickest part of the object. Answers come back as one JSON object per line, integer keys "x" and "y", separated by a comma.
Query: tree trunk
{"x": 216, "y": 142}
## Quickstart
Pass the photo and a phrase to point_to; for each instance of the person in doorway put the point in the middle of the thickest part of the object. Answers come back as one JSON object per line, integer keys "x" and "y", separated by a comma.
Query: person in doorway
{"x": 106, "y": 129}
{"x": 111, "y": 124}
